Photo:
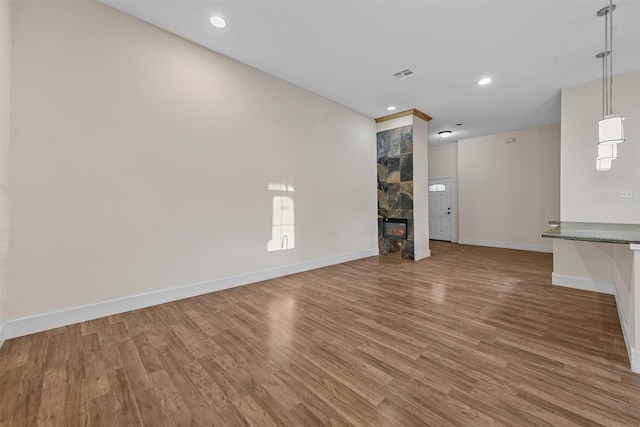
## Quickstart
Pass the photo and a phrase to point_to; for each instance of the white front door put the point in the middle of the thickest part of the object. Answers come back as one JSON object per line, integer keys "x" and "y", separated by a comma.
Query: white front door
{"x": 440, "y": 209}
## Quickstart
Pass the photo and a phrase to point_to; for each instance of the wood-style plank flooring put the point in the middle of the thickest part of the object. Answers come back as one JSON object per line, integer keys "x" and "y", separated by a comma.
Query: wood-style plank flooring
{"x": 469, "y": 337}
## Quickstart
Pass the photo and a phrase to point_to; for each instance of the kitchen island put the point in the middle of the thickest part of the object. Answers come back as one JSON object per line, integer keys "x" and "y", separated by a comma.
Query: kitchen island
{"x": 625, "y": 265}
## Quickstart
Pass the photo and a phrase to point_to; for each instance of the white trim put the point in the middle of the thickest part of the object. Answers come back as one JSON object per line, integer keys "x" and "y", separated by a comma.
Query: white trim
{"x": 634, "y": 359}
{"x": 42, "y": 322}
{"x": 2, "y": 334}
{"x": 425, "y": 253}
{"x": 583, "y": 284}
{"x": 609, "y": 289}
{"x": 634, "y": 355}
{"x": 446, "y": 180}
{"x": 507, "y": 245}
{"x": 398, "y": 122}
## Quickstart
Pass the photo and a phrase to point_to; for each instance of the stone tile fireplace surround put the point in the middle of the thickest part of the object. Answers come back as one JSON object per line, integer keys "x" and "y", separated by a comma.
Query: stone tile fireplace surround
{"x": 402, "y": 164}
{"x": 395, "y": 187}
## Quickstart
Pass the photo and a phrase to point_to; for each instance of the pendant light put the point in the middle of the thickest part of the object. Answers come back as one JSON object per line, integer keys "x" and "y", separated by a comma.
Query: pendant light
{"x": 603, "y": 164}
{"x": 610, "y": 128}
{"x": 606, "y": 153}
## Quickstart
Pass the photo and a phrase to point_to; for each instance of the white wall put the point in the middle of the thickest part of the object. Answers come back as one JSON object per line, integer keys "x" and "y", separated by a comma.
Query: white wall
{"x": 398, "y": 122}
{"x": 142, "y": 162}
{"x": 632, "y": 284}
{"x": 591, "y": 196}
{"x": 623, "y": 278}
{"x": 588, "y": 195}
{"x": 5, "y": 134}
{"x": 420, "y": 188}
{"x": 583, "y": 259}
{"x": 509, "y": 192}
{"x": 443, "y": 163}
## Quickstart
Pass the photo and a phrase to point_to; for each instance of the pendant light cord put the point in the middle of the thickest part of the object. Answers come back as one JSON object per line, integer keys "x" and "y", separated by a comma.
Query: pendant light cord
{"x": 605, "y": 64}
{"x": 604, "y": 84}
{"x": 610, "y": 17}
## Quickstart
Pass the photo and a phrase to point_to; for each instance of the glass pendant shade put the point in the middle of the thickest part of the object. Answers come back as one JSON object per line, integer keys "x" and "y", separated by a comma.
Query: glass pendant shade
{"x": 603, "y": 164}
{"x": 610, "y": 130}
{"x": 607, "y": 151}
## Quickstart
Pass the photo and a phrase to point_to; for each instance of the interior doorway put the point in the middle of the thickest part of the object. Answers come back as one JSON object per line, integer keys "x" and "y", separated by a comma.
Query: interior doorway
{"x": 440, "y": 209}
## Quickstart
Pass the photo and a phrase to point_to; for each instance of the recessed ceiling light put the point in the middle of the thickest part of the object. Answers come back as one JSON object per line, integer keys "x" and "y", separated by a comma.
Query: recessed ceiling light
{"x": 391, "y": 108}
{"x": 445, "y": 133}
{"x": 484, "y": 81}
{"x": 218, "y": 22}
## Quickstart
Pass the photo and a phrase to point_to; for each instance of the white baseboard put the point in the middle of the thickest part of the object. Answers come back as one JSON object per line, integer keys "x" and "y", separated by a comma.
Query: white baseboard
{"x": 42, "y": 322}
{"x": 506, "y": 245}
{"x": 2, "y": 334}
{"x": 583, "y": 284}
{"x": 418, "y": 255}
{"x": 634, "y": 355}
{"x": 603, "y": 288}
{"x": 634, "y": 359}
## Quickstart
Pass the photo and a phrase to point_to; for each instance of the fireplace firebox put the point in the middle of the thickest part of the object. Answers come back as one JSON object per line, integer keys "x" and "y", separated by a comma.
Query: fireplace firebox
{"x": 394, "y": 228}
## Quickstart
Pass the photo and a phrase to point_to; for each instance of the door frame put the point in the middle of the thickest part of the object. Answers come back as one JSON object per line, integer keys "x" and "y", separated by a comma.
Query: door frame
{"x": 447, "y": 181}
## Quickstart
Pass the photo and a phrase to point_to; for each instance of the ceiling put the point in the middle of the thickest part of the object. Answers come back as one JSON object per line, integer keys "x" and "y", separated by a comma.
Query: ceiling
{"x": 348, "y": 51}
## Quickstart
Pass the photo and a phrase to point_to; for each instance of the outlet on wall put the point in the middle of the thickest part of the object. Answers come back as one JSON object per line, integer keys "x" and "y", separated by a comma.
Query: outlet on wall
{"x": 626, "y": 194}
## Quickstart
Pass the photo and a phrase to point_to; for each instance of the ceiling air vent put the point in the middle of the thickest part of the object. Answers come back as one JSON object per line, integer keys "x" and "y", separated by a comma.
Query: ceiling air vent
{"x": 404, "y": 74}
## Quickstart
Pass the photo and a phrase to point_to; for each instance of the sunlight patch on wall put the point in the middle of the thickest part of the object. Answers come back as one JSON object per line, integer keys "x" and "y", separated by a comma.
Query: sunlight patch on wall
{"x": 280, "y": 187}
{"x": 283, "y": 219}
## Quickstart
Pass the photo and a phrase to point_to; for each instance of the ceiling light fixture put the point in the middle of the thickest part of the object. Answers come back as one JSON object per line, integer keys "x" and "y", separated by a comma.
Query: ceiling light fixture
{"x": 445, "y": 133}
{"x": 484, "y": 81}
{"x": 610, "y": 128}
{"x": 391, "y": 108}
{"x": 218, "y": 22}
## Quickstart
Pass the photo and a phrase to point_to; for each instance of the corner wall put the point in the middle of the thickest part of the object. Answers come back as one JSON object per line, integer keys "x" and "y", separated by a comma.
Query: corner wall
{"x": 509, "y": 191}
{"x": 420, "y": 187}
{"x": 6, "y": 44}
{"x": 146, "y": 168}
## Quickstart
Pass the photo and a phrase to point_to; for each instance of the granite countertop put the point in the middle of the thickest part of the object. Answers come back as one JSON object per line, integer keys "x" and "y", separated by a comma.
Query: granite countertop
{"x": 594, "y": 232}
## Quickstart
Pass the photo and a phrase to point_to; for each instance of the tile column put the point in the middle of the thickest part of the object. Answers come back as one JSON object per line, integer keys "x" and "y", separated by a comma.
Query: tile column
{"x": 402, "y": 162}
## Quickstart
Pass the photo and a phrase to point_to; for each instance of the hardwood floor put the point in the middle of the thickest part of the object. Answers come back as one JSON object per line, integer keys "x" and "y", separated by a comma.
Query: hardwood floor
{"x": 469, "y": 337}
